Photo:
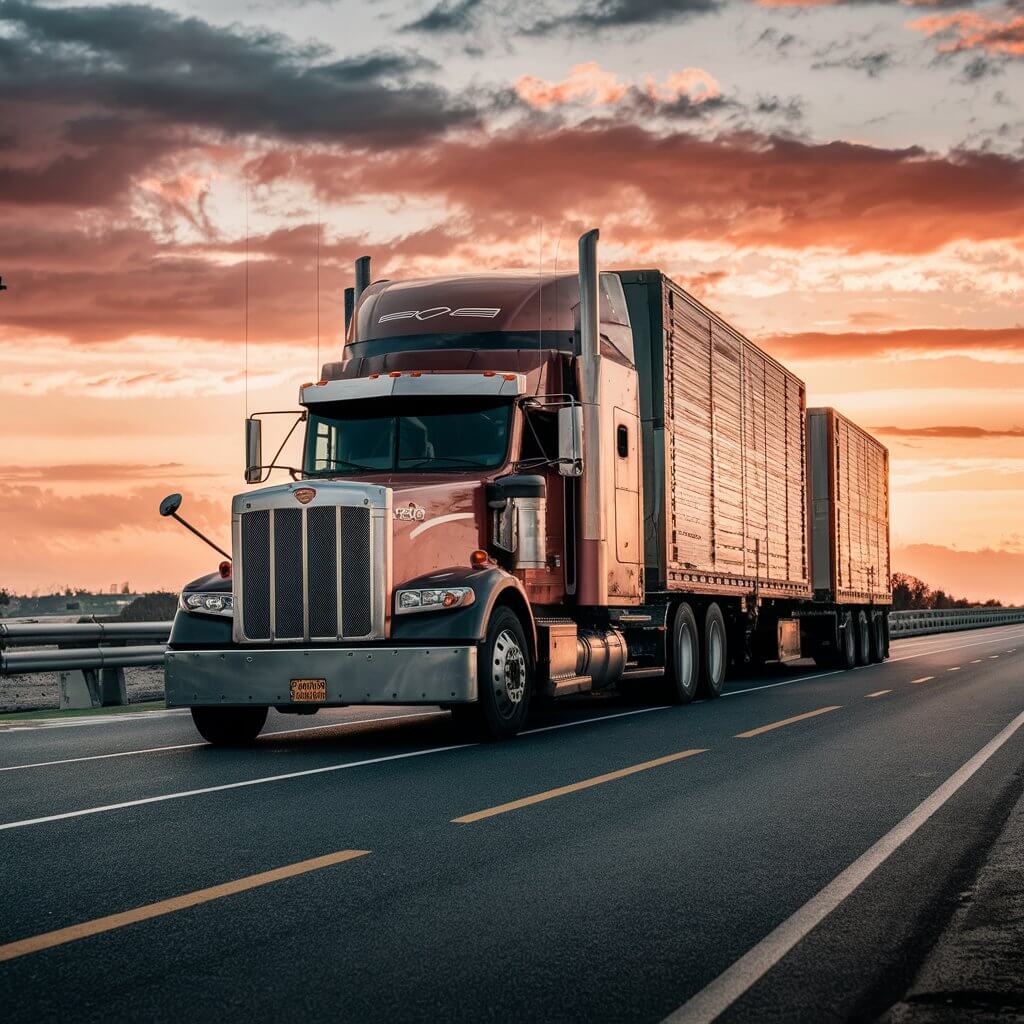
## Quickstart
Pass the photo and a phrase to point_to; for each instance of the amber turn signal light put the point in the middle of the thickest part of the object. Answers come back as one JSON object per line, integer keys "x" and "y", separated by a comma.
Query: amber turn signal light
{"x": 478, "y": 558}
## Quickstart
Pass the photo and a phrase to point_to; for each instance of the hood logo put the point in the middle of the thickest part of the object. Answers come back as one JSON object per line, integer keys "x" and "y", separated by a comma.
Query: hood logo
{"x": 487, "y": 313}
{"x": 304, "y": 495}
{"x": 411, "y": 513}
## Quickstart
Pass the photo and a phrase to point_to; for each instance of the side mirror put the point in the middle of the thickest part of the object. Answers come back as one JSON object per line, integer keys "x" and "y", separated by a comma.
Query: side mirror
{"x": 570, "y": 440}
{"x": 253, "y": 451}
{"x": 170, "y": 504}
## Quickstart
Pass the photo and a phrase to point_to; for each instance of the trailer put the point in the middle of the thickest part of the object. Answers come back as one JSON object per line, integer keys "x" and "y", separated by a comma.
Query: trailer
{"x": 519, "y": 487}
{"x": 848, "y": 473}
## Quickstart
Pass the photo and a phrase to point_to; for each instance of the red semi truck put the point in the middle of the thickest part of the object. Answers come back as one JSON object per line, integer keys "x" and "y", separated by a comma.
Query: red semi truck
{"x": 520, "y": 487}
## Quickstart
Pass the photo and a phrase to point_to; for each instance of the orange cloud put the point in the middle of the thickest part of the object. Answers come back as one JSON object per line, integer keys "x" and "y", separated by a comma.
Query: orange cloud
{"x": 973, "y": 30}
{"x": 593, "y": 86}
{"x": 873, "y": 344}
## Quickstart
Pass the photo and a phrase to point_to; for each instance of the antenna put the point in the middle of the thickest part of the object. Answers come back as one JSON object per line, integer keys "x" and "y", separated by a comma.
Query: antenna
{"x": 540, "y": 300}
{"x": 247, "y": 297}
{"x": 317, "y": 367}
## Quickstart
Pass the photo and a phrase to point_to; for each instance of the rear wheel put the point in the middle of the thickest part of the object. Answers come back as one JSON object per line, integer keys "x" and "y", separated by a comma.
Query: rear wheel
{"x": 714, "y": 653}
{"x": 878, "y": 651}
{"x": 847, "y": 642}
{"x": 863, "y": 638}
{"x": 229, "y": 727}
{"x": 682, "y": 673}
{"x": 504, "y": 681}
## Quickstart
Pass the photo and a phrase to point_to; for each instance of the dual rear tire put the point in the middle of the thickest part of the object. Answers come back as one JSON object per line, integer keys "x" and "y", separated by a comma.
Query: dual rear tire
{"x": 697, "y": 655}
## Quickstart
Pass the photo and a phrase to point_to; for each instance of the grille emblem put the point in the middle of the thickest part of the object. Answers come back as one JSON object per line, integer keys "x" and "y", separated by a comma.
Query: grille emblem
{"x": 304, "y": 495}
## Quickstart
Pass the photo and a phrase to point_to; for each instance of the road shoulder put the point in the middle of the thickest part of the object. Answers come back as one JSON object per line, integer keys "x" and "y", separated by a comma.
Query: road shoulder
{"x": 975, "y": 971}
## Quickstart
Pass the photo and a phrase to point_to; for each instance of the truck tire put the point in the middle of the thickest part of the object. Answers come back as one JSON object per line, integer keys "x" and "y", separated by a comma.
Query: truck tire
{"x": 863, "y": 638}
{"x": 847, "y": 654}
{"x": 229, "y": 727}
{"x": 504, "y": 681}
{"x": 878, "y": 651}
{"x": 682, "y": 671}
{"x": 714, "y": 653}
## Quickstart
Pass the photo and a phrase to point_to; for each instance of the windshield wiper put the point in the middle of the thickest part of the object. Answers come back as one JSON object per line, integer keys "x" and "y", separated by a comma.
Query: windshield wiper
{"x": 454, "y": 459}
{"x": 339, "y": 463}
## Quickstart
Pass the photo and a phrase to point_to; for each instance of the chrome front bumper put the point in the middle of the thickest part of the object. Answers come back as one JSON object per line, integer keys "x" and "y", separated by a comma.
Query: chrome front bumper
{"x": 358, "y": 675}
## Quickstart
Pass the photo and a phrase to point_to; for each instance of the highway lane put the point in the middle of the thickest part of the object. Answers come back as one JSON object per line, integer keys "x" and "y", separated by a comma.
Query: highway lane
{"x": 618, "y": 899}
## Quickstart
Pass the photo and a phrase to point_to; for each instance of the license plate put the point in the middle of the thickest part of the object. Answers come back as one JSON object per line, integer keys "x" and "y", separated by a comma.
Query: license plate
{"x": 305, "y": 691}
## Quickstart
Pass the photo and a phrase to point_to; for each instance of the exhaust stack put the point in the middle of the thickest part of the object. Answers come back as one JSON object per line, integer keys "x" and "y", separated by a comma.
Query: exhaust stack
{"x": 362, "y": 276}
{"x": 593, "y": 575}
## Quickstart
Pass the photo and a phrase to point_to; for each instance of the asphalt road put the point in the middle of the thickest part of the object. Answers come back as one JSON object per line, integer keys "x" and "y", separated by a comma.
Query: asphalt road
{"x": 709, "y": 868}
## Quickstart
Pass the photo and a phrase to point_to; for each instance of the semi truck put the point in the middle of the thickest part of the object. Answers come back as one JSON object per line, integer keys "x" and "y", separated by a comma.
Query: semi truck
{"x": 515, "y": 488}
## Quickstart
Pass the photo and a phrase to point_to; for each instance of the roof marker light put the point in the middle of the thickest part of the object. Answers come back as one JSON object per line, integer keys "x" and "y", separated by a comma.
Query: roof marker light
{"x": 415, "y": 373}
{"x": 395, "y": 373}
{"x": 489, "y": 373}
{"x": 510, "y": 376}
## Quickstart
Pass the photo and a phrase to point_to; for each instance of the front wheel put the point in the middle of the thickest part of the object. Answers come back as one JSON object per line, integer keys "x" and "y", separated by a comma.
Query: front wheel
{"x": 504, "y": 680}
{"x": 229, "y": 727}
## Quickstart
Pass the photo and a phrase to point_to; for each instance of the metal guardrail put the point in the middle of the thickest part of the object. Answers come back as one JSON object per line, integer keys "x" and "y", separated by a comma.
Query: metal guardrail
{"x": 42, "y": 634}
{"x": 923, "y": 621}
{"x": 90, "y": 676}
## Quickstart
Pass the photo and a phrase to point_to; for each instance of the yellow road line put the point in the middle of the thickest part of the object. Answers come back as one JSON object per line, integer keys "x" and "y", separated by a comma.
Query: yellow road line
{"x": 48, "y": 940}
{"x": 878, "y": 693}
{"x": 574, "y": 787}
{"x": 786, "y": 721}
{"x": 923, "y": 679}
{"x": 955, "y": 668}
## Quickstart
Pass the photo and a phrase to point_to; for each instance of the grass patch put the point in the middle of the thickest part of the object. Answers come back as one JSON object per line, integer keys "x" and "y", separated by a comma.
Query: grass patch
{"x": 148, "y": 705}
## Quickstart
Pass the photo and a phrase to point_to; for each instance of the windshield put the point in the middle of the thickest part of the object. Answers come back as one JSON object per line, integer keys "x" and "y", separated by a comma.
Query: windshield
{"x": 386, "y": 436}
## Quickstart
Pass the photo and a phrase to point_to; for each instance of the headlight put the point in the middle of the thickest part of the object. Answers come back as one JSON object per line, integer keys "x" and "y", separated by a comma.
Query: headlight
{"x": 217, "y": 603}
{"x": 407, "y": 601}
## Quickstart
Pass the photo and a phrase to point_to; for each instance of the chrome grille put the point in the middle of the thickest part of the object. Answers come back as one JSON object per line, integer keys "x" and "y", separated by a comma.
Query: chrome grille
{"x": 322, "y": 546}
{"x": 355, "y": 583}
{"x": 312, "y": 573}
{"x": 255, "y": 603}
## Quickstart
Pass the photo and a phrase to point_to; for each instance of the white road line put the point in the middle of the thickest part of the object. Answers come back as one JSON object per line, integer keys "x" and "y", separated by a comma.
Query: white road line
{"x": 229, "y": 785}
{"x": 203, "y": 743}
{"x": 840, "y": 671}
{"x": 600, "y": 718}
{"x": 300, "y": 774}
{"x": 732, "y": 983}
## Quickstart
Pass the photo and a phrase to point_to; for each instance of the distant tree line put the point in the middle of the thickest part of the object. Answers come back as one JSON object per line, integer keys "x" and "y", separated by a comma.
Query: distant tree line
{"x": 909, "y": 592}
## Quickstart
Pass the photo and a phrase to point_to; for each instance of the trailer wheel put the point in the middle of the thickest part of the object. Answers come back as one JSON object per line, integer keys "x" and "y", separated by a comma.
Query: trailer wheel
{"x": 714, "y": 653}
{"x": 878, "y": 651}
{"x": 863, "y": 638}
{"x": 847, "y": 642}
{"x": 504, "y": 681}
{"x": 229, "y": 727}
{"x": 682, "y": 673}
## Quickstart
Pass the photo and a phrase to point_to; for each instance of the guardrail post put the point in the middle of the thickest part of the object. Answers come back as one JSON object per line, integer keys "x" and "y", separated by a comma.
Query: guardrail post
{"x": 76, "y": 688}
{"x": 93, "y": 688}
{"x": 113, "y": 691}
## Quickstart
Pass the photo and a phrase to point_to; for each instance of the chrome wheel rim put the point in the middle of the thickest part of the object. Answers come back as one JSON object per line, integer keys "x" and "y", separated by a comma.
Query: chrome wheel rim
{"x": 508, "y": 672}
{"x": 685, "y": 660}
{"x": 716, "y": 654}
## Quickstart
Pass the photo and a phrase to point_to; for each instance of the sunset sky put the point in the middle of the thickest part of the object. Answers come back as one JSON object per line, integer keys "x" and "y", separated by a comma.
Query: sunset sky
{"x": 843, "y": 181}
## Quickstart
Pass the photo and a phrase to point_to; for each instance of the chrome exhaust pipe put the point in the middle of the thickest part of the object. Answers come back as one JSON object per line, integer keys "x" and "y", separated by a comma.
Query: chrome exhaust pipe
{"x": 362, "y": 276}
{"x": 592, "y": 560}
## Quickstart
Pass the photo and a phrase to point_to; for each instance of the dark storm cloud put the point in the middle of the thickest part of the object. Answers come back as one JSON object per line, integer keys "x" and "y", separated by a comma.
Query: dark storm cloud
{"x": 596, "y": 15}
{"x": 447, "y": 16}
{"x": 187, "y": 71}
{"x": 872, "y": 64}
